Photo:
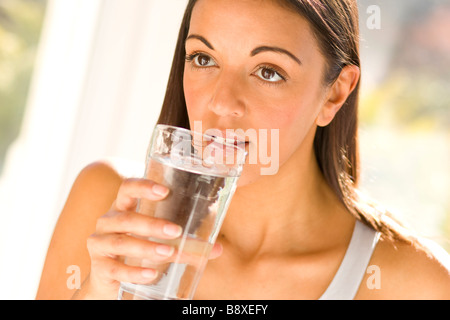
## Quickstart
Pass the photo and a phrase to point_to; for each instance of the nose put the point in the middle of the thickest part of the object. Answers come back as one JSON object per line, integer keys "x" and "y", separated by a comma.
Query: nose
{"x": 227, "y": 98}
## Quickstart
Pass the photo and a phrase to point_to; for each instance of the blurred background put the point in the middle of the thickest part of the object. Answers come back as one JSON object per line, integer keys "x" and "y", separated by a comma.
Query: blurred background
{"x": 83, "y": 80}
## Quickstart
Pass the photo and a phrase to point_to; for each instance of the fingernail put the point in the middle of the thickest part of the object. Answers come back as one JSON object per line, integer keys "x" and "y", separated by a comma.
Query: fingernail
{"x": 172, "y": 230}
{"x": 149, "y": 274}
{"x": 160, "y": 190}
{"x": 165, "y": 251}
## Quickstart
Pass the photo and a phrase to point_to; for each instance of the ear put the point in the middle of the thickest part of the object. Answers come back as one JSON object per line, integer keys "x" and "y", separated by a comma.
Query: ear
{"x": 337, "y": 94}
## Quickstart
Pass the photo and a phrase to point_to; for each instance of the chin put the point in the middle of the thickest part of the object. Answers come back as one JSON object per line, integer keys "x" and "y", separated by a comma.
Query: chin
{"x": 251, "y": 174}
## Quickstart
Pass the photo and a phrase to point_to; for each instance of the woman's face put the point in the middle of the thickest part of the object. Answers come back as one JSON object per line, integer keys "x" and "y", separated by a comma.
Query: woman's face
{"x": 255, "y": 66}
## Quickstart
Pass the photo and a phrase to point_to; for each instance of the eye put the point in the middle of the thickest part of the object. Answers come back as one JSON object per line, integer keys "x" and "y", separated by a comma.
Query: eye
{"x": 201, "y": 60}
{"x": 269, "y": 74}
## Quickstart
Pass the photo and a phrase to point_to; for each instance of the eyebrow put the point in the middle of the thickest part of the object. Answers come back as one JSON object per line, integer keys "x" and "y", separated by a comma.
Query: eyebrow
{"x": 202, "y": 39}
{"x": 254, "y": 51}
{"x": 275, "y": 49}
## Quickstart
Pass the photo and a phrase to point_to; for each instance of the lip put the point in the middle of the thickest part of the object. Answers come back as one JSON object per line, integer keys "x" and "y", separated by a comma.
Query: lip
{"x": 240, "y": 143}
{"x": 230, "y": 137}
{"x": 232, "y": 141}
{"x": 222, "y": 137}
{"x": 219, "y": 140}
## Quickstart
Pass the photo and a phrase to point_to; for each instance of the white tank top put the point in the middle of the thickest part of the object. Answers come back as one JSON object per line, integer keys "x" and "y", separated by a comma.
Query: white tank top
{"x": 348, "y": 278}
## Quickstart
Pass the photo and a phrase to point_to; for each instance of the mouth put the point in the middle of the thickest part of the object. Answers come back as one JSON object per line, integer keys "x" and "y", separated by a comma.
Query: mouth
{"x": 235, "y": 141}
{"x": 222, "y": 137}
{"x": 231, "y": 137}
{"x": 241, "y": 143}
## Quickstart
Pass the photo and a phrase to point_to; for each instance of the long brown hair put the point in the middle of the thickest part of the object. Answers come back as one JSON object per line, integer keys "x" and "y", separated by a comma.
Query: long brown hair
{"x": 335, "y": 26}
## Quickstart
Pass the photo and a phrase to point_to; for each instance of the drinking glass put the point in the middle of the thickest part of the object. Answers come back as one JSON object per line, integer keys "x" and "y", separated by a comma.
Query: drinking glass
{"x": 201, "y": 172}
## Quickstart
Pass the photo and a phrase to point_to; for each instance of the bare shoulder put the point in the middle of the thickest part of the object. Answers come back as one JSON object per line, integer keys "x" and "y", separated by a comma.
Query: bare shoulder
{"x": 91, "y": 196}
{"x": 112, "y": 168}
{"x": 99, "y": 173}
{"x": 407, "y": 271}
{"x": 95, "y": 187}
{"x": 101, "y": 179}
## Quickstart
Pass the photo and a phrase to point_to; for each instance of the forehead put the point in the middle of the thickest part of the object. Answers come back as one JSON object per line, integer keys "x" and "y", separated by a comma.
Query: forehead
{"x": 250, "y": 22}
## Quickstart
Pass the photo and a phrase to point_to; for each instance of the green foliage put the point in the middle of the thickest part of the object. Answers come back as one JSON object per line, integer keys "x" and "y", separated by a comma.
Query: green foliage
{"x": 409, "y": 100}
{"x": 20, "y": 27}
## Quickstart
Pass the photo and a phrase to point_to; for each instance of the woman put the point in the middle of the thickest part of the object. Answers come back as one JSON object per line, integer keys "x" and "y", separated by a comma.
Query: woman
{"x": 302, "y": 233}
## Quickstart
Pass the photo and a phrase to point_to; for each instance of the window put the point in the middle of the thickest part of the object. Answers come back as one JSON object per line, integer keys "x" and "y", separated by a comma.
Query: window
{"x": 20, "y": 28}
{"x": 93, "y": 95}
{"x": 405, "y": 111}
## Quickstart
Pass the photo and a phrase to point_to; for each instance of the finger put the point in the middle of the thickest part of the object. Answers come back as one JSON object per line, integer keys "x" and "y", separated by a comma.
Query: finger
{"x": 113, "y": 245}
{"x": 216, "y": 251}
{"x": 133, "y": 189}
{"x": 111, "y": 269}
{"x": 194, "y": 252}
{"x": 137, "y": 224}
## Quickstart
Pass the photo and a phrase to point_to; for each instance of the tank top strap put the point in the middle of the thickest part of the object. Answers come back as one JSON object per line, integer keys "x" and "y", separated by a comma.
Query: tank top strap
{"x": 347, "y": 279}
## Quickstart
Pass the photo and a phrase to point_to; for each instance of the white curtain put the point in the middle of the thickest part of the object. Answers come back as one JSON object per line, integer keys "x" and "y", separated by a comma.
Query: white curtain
{"x": 99, "y": 82}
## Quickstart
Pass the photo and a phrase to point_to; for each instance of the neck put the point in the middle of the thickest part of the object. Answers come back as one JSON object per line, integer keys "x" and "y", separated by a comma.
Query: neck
{"x": 294, "y": 210}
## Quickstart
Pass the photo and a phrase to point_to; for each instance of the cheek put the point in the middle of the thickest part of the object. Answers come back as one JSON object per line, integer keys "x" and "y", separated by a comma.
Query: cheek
{"x": 292, "y": 117}
{"x": 284, "y": 132}
{"x": 294, "y": 120}
{"x": 198, "y": 88}
{"x": 292, "y": 109}
{"x": 192, "y": 98}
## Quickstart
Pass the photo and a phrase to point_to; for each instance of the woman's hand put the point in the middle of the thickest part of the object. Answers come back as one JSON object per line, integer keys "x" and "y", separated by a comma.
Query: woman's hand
{"x": 122, "y": 232}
